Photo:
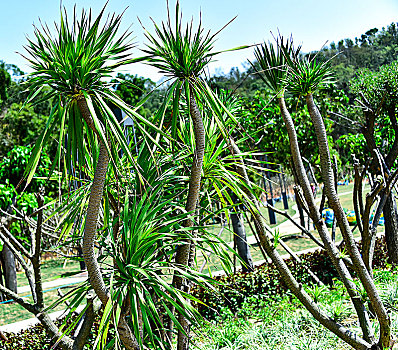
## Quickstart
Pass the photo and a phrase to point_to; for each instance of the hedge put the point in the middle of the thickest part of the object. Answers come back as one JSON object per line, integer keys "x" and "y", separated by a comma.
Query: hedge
{"x": 265, "y": 283}
{"x": 32, "y": 338}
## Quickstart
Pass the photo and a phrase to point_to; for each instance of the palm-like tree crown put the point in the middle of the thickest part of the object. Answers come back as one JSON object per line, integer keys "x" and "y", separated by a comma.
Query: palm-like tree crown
{"x": 75, "y": 60}
{"x": 80, "y": 54}
{"x": 272, "y": 61}
{"x": 305, "y": 74}
{"x": 180, "y": 53}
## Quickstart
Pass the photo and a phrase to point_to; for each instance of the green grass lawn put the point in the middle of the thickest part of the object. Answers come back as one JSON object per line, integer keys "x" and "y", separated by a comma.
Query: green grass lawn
{"x": 296, "y": 244}
{"x": 51, "y": 270}
{"x": 10, "y": 313}
{"x": 286, "y": 324}
{"x": 227, "y": 234}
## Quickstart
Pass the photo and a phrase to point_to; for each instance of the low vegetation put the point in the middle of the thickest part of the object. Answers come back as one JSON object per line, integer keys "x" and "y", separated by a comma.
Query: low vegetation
{"x": 138, "y": 183}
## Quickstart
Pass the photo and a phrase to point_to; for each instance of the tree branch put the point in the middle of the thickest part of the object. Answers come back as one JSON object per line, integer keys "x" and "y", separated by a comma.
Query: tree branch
{"x": 21, "y": 260}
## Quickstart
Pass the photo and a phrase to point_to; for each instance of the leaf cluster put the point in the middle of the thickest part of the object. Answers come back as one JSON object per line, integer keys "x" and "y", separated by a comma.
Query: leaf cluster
{"x": 177, "y": 52}
{"x": 272, "y": 61}
{"x": 380, "y": 88}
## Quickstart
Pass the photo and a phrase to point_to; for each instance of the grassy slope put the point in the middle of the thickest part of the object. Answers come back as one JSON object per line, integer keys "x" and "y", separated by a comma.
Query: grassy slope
{"x": 287, "y": 325}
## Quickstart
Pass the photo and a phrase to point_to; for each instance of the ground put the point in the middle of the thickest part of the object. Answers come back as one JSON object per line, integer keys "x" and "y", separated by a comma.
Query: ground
{"x": 53, "y": 269}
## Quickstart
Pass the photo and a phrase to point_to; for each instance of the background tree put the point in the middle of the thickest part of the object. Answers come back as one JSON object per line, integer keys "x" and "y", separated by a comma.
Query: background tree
{"x": 20, "y": 127}
{"x": 5, "y": 81}
{"x": 182, "y": 55}
{"x": 132, "y": 89}
{"x": 304, "y": 77}
{"x": 378, "y": 96}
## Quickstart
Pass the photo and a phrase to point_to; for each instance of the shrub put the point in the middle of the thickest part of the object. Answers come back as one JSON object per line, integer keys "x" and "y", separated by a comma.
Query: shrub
{"x": 265, "y": 284}
{"x": 234, "y": 292}
{"x": 33, "y": 338}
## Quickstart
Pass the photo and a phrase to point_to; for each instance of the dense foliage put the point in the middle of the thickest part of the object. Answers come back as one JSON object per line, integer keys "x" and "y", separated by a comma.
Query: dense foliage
{"x": 241, "y": 295}
{"x": 143, "y": 199}
{"x": 265, "y": 283}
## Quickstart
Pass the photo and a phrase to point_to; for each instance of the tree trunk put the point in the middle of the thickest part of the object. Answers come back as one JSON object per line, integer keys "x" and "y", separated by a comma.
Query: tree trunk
{"x": 391, "y": 228}
{"x": 390, "y": 208}
{"x": 333, "y": 252}
{"x": 334, "y": 203}
{"x": 240, "y": 238}
{"x": 90, "y": 230}
{"x": 296, "y": 288}
{"x": 9, "y": 269}
{"x": 185, "y": 252}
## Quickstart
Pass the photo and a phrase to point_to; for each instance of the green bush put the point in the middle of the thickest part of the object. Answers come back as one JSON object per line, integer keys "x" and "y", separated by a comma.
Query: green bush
{"x": 12, "y": 168}
{"x": 265, "y": 284}
{"x": 33, "y": 338}
{"x": 236, "y": 292}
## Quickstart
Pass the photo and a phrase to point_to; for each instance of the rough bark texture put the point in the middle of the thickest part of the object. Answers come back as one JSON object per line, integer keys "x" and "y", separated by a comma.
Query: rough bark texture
{"x": 328, "y": 178}
{"x": 90, "y": 230}
{"x": 184, "y": 251}
{"x": 86, "y": 328}
{"x": 391, "y": 228}
{"x": 36, "y": 254}
{"x": 287, "y": 276}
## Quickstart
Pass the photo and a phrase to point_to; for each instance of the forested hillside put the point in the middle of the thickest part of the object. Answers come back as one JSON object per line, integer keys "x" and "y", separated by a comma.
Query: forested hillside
{"x": 348, "y": 57}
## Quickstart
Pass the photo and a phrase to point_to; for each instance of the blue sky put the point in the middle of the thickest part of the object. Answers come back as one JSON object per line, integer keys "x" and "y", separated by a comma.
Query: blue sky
{"x": 312, "y": 22}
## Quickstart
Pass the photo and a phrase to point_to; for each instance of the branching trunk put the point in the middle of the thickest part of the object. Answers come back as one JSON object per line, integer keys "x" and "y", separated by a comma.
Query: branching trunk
{"x": 35, "y": 280}
{"x": 328, "y": 178}
{"x": 330, "y": 247}
{"x": 287, "y": 276}
{"x": 390, "y": 212}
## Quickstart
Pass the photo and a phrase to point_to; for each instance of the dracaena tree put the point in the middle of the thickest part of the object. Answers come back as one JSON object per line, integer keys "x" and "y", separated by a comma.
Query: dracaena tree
{"x": 284, "y": 69}
{"x": 73, "y": 62}
{"x": 221, "y": 186}
{"x": 304, "y": 77}
{"x": 182, "y": 54}
{"x": 377, "y": 96}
